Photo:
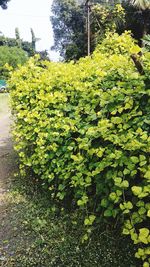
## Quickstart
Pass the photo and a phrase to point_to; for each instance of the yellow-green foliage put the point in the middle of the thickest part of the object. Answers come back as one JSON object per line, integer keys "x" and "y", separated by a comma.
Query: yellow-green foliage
{"x": 84, "y": 129}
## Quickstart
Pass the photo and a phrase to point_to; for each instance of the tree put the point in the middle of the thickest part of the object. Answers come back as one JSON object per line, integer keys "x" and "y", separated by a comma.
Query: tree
{"x": 142, "y": 4}
{"x": 33, "y": 39}
{"x": 3, "y": 3}
{"x": 18, "y": 40}
{"x": 68, "y": 21}
{"x": 27, "y": 47}
{"x": 144, "y": 7}
{"x": 146, "y": 42}
{"x": 11, "y": 56}
{"x": 104, "y": 19}
{"x": 43, "y": 55}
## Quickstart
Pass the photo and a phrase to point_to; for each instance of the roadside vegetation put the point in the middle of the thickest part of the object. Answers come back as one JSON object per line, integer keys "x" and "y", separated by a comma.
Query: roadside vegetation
{"x": 81, "y": 194}
{"x": 82, "y": 129}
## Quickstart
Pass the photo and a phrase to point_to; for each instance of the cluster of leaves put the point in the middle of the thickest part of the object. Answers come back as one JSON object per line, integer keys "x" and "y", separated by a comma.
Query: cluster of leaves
{"x": 105, "y": 19}
{"x": 84, "y": 129}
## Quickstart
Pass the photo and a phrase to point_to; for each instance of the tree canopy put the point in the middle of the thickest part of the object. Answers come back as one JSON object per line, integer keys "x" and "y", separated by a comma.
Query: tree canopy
{"x": 3, "y": 3}
{"x": 10, "y": 56}
{"x": 142, "y": 4}
{"x": 17, "y": 42}
{"x": 69, "y": 21}
{"x": 69, "y": 28}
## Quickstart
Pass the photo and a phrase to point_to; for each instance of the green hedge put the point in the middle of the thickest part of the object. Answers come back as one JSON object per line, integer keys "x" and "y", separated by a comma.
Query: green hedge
{"x": 84, "y": 129}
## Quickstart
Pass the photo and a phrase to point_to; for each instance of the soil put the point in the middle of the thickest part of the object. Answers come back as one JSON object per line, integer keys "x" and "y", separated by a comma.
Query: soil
{"x": 7, "y": 168}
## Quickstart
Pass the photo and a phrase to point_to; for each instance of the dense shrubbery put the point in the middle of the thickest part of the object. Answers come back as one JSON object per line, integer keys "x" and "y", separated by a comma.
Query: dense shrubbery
{"x": 83, "y": 128}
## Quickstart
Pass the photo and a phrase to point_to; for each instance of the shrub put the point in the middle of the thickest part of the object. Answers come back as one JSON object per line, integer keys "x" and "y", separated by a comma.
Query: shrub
{"x": 83, "y": 128}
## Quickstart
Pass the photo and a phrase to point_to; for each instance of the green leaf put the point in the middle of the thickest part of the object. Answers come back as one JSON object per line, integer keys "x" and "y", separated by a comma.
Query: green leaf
{"x": 141, "y": 252}
{"x": 80, "y": 202}
{"x": 89, "y": 220}
{"x": 142, "y": 158}
{"x": 126, "y": 171}
{"x": 125, "y": 184}
{"x": 126, "y": 211}
{"x": 129, "y": 205}
{"x": 140, "y": 203}
{"x": 142, "y": 210}
{"x": 118, "y": 180}
{"x": 86, "y": 221}
{"x": 114, "y": 213}
{"x": 142, "y": 163}
{"x": 85, "y": 238}
{"x": 88, "y": 180}
{"x": 126, "y": 231}
{"x": 146, "y": 264}
{"x": 108, "y": 213}
{"x": 143, "y": 234}
{"x": 92, "y": 218}
{"x": 104, "y": 202}
{"x": 113, "y": 196}
{"x": 137, "y": 190}
{"x": 119, "y": 193}
{"x": 147, "y": 174}
{"x": 148, "y": 213}
{"x": 134, "y": 159}
{"x": 100, "y": 153}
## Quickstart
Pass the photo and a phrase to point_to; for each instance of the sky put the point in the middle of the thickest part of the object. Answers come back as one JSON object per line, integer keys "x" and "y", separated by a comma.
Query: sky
{"x": 27, "y": 14}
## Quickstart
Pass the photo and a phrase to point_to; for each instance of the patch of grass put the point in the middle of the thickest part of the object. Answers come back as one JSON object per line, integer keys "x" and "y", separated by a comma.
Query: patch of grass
{"x": 43, "y": 236}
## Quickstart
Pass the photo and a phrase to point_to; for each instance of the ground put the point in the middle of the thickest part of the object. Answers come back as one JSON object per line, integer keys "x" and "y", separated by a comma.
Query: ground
{"x": 7, "y": 168}
{"x": 35, "y": 233}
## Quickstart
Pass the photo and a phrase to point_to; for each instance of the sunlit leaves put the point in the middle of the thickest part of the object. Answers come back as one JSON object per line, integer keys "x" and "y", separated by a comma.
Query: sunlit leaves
{"x": 83, "y": 129}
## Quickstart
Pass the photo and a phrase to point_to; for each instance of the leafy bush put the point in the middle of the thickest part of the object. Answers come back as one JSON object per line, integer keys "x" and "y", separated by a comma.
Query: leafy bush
{"x": 83, "y": 128}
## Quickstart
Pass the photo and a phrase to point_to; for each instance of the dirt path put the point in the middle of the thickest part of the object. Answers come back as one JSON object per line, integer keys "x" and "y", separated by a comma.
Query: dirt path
{"x": 6, "y": 172}
{"x": 5, "y": 153}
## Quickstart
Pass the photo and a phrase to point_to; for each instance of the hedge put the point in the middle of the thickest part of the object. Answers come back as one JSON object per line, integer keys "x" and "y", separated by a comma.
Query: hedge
{"x": 83, "y": 128}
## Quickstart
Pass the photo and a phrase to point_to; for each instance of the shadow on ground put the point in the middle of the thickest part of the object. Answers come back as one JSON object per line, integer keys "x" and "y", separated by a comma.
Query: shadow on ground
{"x": 35, "y": 233}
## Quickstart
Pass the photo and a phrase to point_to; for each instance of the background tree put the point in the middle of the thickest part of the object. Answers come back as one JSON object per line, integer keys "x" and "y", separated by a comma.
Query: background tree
{"x": 18, "y": 39}
{"x": 27, "y": 47}
{"x": 144, "y": 7}
{"x": 68, "y": 21}
{"x": 142, "y": 4}
{"x": 136, "y": 19}
{"x": 146, "y": 41}
{"x": 10, "y": 56}
{"x": 43, "y": 55}
{"x": 3, "y": 3}
{"x": 105, "y": 18}
{"x": 17, "y": 42}
{"x": 33, "y": 39}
